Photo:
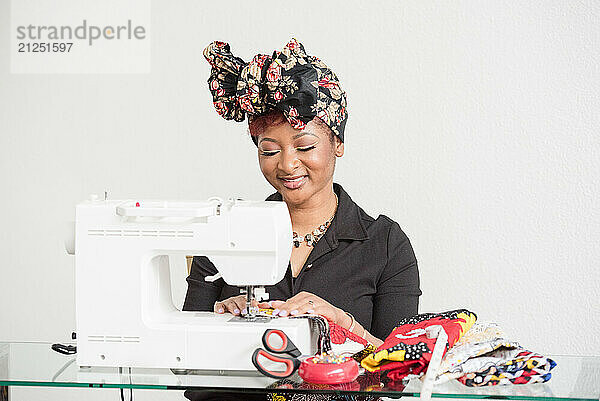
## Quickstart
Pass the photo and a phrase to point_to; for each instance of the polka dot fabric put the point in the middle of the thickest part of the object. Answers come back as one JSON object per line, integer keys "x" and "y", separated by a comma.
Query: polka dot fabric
{"x": 407, "y": 350}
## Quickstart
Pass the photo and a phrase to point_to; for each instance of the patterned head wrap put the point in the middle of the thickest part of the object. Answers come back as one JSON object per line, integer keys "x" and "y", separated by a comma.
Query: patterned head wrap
{"x": 298, "y": 85}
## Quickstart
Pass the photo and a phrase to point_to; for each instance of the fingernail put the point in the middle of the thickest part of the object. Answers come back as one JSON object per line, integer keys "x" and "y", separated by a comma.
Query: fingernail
{"x": 220, "y": 310}
{"x": 270, "y": 304}
{"x": 236, "y": 311}
{"x": 310, "y": 311}
{"x": 275, "y": 312}
{"x": 283, "y": 313}
{"x": 294, "y": 312}
{"x": 244, "y": 311}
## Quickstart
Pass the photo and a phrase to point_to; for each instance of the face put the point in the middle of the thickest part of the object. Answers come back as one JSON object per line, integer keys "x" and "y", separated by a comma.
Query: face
{"x": 298, "y": 164}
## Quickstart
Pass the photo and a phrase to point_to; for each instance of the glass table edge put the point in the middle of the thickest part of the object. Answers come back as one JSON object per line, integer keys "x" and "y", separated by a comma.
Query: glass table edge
{"x": 382, "y": 393}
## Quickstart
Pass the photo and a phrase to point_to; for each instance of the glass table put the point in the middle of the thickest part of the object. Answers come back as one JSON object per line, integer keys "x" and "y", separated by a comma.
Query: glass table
{"x": 36, "y": 364}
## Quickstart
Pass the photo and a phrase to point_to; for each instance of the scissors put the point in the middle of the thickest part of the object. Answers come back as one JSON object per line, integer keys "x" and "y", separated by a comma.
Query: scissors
{"x": 272, "y": 352}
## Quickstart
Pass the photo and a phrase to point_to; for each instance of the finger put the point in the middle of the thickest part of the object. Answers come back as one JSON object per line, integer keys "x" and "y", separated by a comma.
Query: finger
{"x": 231, "y": 306}
{"x": 304, "y": 309}
{"x": 219, "y": 307}
{"x": 253, "y": 305}
{"x": 275, "y": 305}
{"x": 265, "y": 305}
{"x": 290, "y": 307}
{"x": 293, "y": 305}
{"x": 240, "y": 303}
{"x": 268, "y": 304}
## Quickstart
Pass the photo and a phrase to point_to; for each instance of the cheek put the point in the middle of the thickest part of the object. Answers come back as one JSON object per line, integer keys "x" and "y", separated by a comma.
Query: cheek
{"x": 267, "y": 166}
{"x": 321, "y": 162}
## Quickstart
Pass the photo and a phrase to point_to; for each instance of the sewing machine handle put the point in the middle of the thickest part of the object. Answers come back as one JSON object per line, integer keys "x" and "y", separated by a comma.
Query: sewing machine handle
{"x": 131, "y": 210}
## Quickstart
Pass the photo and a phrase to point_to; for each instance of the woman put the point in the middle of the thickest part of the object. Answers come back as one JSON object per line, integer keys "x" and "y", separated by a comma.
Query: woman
{"x": 358, "y": 272}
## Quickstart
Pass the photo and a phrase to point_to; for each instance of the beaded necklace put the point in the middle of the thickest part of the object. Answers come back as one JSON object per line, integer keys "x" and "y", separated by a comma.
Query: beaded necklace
{"x": 313, "y": 237}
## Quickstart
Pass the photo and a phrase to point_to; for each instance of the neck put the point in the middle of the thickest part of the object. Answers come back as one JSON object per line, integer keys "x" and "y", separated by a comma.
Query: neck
{"x": 317, "y": 210}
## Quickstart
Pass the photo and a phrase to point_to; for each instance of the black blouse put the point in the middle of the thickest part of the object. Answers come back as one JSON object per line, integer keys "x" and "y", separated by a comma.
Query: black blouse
{"x": 362, "y": 265}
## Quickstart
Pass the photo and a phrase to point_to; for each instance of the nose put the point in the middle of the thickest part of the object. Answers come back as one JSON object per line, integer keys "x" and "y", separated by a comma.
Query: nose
{"x": 288, "y": 162}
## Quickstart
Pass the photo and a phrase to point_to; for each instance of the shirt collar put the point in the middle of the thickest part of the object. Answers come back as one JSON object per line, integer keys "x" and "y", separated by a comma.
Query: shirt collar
{"x": 347, "y": 223}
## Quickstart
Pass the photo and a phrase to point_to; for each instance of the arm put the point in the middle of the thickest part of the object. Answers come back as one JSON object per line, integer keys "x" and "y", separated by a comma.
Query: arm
{"x": 201, "y": 295}
{"x": 398, "y": 290}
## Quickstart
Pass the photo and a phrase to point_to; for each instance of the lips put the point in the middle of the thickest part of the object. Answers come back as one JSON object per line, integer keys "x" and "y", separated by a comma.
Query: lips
{"x": 293, "y": 182}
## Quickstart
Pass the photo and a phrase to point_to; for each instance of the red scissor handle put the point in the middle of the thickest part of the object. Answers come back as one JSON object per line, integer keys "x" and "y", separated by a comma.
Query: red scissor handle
{"x": 287, "y": 346}
{"x": 291, "y": 364}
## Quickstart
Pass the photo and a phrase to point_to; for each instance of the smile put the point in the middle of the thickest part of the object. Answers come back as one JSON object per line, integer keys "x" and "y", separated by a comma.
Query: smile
{"x": 294, "y": 182}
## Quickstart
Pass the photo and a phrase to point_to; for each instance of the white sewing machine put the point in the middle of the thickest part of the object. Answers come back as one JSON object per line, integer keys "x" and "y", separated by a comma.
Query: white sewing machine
{"x": 124, "y": 310}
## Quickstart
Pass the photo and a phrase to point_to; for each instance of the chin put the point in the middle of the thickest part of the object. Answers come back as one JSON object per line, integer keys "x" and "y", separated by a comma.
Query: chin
{"x": 295, "y": 196}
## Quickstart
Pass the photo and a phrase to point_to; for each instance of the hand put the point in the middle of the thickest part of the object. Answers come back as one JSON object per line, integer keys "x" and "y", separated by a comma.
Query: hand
{"x": 235, "y": 305}
{"x": 305, "y": 302}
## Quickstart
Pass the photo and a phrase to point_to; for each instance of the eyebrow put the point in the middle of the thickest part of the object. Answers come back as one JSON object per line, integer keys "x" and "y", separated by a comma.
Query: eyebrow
{"x": 302, "y": 133}
{"x": 267, "y": 140}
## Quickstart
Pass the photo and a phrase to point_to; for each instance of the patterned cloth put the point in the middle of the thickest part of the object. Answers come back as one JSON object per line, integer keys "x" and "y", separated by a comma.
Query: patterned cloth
{"x": 484, "y": 356}
{"x": 299, "y": 85}
{"x": 368, "y": 382}
{"x": 507, "y": 366}
{"x": 407, "y": 350}
{"x": 481, "y": 339}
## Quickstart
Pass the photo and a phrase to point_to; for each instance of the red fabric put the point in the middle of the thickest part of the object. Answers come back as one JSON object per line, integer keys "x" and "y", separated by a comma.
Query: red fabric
{"x": 407, "y": 350}
{"x": 339, "y": 335}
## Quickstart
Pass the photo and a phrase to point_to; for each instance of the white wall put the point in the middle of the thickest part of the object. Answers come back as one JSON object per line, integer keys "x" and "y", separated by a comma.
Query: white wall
{"x": 473, "y": 124}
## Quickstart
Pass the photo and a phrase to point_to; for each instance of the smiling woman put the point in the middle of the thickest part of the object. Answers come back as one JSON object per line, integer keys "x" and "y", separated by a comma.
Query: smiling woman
{"x": 358, "y": 272}
{"x": 299, "y": 164}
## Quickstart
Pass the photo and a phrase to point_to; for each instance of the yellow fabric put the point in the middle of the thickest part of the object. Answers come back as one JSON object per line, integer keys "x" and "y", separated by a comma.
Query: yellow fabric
{"x": 378, "y": 359}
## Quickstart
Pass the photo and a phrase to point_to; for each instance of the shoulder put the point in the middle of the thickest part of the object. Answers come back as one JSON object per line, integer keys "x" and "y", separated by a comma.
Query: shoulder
{"x": 358, "y": 224}
{"x": 384, "y": 228}
{"x": 392, "y": 227}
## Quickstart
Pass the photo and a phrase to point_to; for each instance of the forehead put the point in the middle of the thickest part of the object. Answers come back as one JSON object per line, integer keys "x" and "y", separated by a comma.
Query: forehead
{"x": 284, "y": 132}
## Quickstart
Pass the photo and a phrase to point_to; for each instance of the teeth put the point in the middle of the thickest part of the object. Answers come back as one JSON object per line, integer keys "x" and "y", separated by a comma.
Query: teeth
{"x": 294, "y": 180}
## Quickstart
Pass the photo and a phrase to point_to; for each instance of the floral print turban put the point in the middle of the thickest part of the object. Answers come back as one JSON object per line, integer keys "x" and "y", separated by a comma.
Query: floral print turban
{"x": 298, "y": 85}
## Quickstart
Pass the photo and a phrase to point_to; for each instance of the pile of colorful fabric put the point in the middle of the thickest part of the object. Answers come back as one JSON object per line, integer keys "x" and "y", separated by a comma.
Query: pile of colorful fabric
{"x": 485, "y": 356}
{"x": 477, "y": 354}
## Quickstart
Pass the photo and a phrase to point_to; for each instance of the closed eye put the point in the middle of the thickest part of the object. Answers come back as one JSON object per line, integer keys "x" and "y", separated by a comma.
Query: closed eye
{"x": 268, "y": 152}
{"x": 307, "y": 148}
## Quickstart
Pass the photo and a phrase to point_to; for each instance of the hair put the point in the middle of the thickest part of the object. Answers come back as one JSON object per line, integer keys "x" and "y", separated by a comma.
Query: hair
{"x": 274, "y": 117}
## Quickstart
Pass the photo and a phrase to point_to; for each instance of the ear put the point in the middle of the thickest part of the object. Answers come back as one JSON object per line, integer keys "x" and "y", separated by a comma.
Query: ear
{"x": 339, "y": 147}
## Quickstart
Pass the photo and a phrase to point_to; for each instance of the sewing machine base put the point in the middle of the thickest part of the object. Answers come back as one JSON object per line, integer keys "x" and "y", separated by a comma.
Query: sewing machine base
{"x": 198, "y": 341}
